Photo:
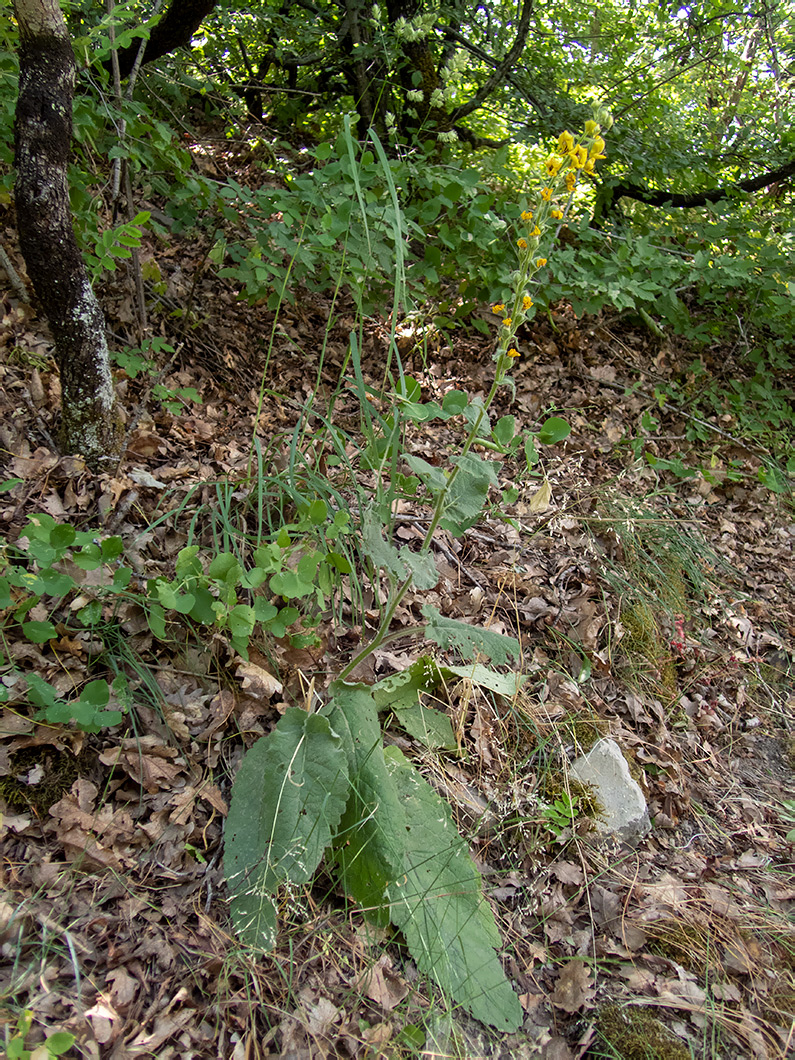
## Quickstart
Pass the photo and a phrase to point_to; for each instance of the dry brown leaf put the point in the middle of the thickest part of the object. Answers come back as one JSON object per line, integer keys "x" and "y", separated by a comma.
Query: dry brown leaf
{"x": 574, "y": 988}
{"x": 382, "y": 985}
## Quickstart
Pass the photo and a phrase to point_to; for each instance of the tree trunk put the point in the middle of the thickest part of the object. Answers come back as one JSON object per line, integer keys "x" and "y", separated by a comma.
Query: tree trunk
{"x": 174, "y": 30}
{"x": 91, "y": 423}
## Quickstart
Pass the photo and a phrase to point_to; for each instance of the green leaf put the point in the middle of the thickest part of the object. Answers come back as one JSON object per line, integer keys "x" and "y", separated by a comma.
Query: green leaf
{"x": 398, "y": 562}
{"x": 59, "y": 1043}
{"x": 438, "y": 905}
{"x": 469, "y": 640}
{"x": 466, "y": 497}
{"x": 454, "y": 402}
{"x": 202, "y": 610}
{"x": 156, "y": 620}
{"x": 287, "y": 800}
{"x": 401, "y": 694}
{"x": 505, "y": 430}
{"x": 506, "y": 685}
{"x": 433, "y": 477}
{"x": 369, "y": 848}
{"x": 225, "y": 567}
{"x": 553, "y": 430}
{"x": 242, "y": 619}
{"x": 39, "y": 632}
{"x": 288, "y": 584}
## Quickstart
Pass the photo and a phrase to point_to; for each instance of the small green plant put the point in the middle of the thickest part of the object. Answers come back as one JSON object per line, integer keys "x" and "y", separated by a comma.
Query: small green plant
{"x": 54, "y": 1045}
{"x": 140, "y": 360}
{"x": 114, "y": 244}
{"x": 562, "y": 813}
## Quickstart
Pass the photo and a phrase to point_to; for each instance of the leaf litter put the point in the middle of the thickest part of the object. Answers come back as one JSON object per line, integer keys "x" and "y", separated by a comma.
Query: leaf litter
{"x": 652, "y": 608}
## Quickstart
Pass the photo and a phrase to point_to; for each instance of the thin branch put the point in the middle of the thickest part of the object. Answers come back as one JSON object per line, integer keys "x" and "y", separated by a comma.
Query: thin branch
{"x": 503, "y": 68}
{"x": 20, "y": 290}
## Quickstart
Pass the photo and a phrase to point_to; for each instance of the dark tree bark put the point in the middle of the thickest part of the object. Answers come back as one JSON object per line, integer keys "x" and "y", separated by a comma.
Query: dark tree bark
{"x": 611, "y": 193}
{"x": 174, "y": 30}
{"x": 91, "y": 424}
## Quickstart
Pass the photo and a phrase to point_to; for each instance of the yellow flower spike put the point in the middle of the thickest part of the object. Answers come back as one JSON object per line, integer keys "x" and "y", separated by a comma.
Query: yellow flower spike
{"x": 513, "y": 352}
{"x": 540, "y": 263}
{"x": 526, "y": 215}
{"x": 527, "y": 301}
{"x": 507, "y": 322}
{"x": 565, "y": 142}
{"x": 521, "y": 244}
{"x": 498, "y": 308}
{"x": 546, "y": 194}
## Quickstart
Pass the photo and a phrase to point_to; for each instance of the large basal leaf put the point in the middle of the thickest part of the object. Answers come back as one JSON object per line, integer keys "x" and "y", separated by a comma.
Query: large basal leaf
{"x": 369, "y": 845}
{"x": 287, "y": 800}
{"x": 438, "y": 905}
{"x": 468, "y": 640}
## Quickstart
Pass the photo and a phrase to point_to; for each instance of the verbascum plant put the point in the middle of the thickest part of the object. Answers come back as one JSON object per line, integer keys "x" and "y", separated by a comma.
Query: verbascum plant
{"x": 563, "y": 170}
{"x": 324, "y": 785}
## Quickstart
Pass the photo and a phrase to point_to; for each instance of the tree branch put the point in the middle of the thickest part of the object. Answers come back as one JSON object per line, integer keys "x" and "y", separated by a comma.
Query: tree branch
{"x": 502, "y": 69}
{"x": 682, "y": 201}
{"x": 174, "y": 30}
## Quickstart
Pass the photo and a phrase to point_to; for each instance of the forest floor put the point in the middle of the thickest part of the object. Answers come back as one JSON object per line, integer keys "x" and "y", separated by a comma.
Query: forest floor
{"x": 654, "y": 604}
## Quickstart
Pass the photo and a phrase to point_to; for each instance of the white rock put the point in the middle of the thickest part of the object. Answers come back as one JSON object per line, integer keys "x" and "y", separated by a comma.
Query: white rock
{"x": 605, "y": 769}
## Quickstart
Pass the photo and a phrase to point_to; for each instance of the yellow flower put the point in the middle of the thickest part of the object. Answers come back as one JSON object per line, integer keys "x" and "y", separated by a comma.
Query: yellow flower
{"x": 589, "y": 166}
{"x": 513, "y": 352}
{"x": 552, "y": 165}
{"x": 536, "y": 232}
{"x": 527, "y": 301}
{"x": 591, "y": 127}
{"x": 521, "y": 244}
{"x": 577, "y": 156}
{"x": 526, "y": 215}
{"x": 540, "y": 263}
{"x": 557, "y": 214}
{"x": 507, "y": 322}
{"x": 546, "y": 194}
{"x": 597, "y": 147}
{"x": 565, "y": 142}
{"x": 571, "y": 180}
{"x": 498, "y": 308}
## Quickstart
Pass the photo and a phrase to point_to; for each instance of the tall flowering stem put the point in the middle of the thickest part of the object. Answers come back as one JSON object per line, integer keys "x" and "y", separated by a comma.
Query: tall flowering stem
{"x": 562, "y": 172}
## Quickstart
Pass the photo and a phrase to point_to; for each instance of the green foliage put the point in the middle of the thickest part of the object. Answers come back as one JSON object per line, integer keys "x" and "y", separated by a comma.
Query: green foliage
{"x": 319, "y": 780}
{"x": 140, "y": 360}
{"x": 54, "y": 1045}
{"x": 438, "y": 905}
{"x": 289, "y": 795}
{"x": 115, "y": 243}
{"x": 561, "y": 813}
{"x": 39, "y": 575}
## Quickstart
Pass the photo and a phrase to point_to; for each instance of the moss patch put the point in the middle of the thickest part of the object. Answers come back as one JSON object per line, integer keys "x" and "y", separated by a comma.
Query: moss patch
{"x": 635, "y": 1034}
{"x": 38, "y": 777}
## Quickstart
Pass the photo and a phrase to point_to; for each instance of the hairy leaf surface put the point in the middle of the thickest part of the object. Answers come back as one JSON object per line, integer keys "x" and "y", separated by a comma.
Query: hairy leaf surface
{"x": 287, "y": 800}
{"x": 438, "y": 905}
